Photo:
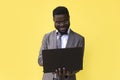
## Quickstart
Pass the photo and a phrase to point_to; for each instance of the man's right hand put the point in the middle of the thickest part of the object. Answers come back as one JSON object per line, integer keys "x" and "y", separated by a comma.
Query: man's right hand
{"x": 62, "y": 73}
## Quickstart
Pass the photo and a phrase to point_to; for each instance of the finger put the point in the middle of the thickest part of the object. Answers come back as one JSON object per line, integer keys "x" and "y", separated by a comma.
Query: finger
{"x": 68, "y": 73}
{"x": 64, "y": 71}
{"x": 56, "y": 71}
{"x": 59, "y": 71}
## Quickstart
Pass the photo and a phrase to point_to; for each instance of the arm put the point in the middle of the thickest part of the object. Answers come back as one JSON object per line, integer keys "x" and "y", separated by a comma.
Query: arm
{"x": 43, "y": 46}
{"x": 81, "y": 43}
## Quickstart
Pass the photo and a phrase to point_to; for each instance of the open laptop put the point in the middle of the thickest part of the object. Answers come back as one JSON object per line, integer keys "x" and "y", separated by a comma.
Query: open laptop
{"x": 70, "y": 58}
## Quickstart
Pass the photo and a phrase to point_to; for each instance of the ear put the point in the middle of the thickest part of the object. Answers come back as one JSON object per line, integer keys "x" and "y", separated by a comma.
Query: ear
{"x": 53, "y": 19}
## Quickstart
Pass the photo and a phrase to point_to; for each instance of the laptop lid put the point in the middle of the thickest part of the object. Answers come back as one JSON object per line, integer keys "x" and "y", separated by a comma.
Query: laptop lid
{"x": 70, "y": 58}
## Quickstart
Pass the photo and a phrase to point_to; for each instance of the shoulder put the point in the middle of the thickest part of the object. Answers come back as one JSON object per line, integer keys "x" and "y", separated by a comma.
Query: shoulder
{"x": 76, "y": 35}
{"x": 47, "y": 35}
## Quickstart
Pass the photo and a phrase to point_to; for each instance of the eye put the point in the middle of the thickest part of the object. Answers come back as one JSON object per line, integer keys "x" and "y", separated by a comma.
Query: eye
{"x": 62, "y": 22}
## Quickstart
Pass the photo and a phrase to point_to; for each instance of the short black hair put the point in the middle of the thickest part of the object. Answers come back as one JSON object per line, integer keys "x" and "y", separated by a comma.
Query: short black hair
{"x": 60, "y": 10}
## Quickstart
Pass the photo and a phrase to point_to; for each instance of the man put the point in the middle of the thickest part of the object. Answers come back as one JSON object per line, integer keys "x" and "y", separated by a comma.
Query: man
{"x": 69, "y": 39}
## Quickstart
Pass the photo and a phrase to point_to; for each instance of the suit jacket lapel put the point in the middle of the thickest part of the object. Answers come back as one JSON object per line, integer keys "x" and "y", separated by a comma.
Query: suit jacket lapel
{"x": 70, "y": 39}
{"x": 54, "y": 39}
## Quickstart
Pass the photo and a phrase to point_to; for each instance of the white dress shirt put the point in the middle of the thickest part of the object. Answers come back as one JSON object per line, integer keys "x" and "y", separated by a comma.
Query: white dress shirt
{"x": 64, "y": 38}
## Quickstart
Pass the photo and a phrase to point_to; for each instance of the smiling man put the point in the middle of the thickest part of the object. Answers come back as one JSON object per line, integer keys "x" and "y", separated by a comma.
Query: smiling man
{"x": 62, "y": 37}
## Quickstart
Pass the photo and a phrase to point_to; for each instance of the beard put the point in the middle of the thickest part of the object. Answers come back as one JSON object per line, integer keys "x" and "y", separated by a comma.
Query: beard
{"x": 62, "y": 30}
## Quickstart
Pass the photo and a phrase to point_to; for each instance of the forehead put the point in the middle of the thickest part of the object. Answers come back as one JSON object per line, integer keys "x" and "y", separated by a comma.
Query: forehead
{"x": 61, "y": 17}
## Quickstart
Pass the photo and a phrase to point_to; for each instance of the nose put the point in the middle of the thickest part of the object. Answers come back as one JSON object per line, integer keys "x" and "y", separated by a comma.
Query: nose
{"x": 61, "y": 24}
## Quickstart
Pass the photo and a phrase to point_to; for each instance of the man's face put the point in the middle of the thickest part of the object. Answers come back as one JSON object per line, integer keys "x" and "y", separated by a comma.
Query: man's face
{"x": 61, "y": 23}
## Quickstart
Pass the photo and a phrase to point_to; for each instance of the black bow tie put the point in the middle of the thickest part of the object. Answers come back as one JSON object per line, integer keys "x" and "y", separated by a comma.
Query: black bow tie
{"x": 58, "y": 33}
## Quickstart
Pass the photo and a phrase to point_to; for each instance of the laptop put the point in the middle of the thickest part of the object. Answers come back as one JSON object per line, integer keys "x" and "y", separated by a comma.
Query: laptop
{"x": 70, "y": 58}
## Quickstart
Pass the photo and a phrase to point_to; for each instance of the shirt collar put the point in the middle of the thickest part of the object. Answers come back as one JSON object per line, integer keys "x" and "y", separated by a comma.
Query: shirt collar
{"x": 67, "y": 31}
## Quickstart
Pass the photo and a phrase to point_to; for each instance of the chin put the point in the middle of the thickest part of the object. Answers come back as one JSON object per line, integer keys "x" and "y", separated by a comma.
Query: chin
{"x": 63, "y": 32}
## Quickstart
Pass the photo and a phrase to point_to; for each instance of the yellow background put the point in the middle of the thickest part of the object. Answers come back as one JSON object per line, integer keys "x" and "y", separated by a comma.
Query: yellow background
{"x": 24, "y": 22}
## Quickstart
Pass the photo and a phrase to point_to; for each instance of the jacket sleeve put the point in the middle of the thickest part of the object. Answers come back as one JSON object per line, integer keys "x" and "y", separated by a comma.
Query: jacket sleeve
{"x": 43, "y": 46}
{"x": 81, "y": 43}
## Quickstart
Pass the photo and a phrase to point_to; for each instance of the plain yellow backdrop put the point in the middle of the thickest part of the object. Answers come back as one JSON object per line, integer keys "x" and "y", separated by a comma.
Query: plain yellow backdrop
{"x": 24, "y": 22}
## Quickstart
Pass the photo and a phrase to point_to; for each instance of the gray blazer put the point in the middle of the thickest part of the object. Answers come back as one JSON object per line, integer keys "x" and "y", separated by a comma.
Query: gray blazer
{"x": 49, "y": 42}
